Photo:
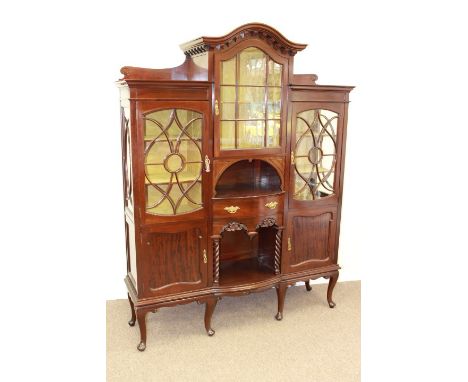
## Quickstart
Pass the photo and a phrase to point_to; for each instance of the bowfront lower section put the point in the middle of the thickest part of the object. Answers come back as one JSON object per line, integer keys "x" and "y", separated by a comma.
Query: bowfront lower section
{"x": 175, "y": 259}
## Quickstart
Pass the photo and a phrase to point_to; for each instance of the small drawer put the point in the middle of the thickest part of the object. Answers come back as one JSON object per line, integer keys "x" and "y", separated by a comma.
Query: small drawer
{"x": 248, "y": 207}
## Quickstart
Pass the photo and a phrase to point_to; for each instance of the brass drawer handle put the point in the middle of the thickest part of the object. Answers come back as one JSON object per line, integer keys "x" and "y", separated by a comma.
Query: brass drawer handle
{"x": 216, "y": 107}
{"x": 271, "y": 205}
{"x": 205, "y": 259}
{"x": 289, "y": 244}
{"x": 232, "y": 209}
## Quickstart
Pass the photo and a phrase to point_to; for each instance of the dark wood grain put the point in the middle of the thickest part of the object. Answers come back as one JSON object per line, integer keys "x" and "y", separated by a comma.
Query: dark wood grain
{"x": 250, "y": 234}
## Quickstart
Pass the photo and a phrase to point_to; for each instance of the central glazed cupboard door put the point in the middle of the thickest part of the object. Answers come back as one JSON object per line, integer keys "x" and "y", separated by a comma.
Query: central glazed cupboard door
{"x": 314, "y": 186}
{"x": 173, "y": 172}
{"x": 250, "y": 91}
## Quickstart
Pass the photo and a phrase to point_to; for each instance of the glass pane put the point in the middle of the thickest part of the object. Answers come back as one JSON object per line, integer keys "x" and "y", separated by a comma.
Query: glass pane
{"x": 228, "y": 135}
{"x": 173, "y": 161}
{"x": 228, "y": 72}
{"x": 251, "y": 134}
{"x": 228, "y": 102}
{"x": 252, "y": 67}
{"x": 254, "y": 98}
{"x": 315, "y": 154}
{"x": 274, "y": 103}
{"x": 251, "y": 102}
{"x": 273, "y": 133}
{"x": 274, "y": 73}
{"x": 156, "y": 151}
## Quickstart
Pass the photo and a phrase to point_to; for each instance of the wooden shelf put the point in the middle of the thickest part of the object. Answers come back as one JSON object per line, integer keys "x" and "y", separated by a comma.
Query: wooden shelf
{"x": 150, "y": 138}
{"x": 162, "y": 177}
{"x": 243, "y": 272}
{"x": 244, "y": 193}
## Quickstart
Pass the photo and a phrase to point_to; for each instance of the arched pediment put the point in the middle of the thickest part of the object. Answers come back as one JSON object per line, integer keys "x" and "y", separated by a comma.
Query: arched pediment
{"x": 252, "y": 30}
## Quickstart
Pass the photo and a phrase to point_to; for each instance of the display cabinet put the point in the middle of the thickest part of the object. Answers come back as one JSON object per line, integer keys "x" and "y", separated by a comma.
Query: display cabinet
{"x": 232, "y": 174}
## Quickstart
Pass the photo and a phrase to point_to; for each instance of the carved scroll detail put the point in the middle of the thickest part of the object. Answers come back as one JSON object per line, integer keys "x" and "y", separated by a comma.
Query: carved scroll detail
{"x": 234, "y": 226}
{"x": 267, "y": 222}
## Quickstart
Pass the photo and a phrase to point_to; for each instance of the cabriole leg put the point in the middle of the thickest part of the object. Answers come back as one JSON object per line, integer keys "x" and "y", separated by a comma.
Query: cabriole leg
{"x": 331, "y": 286}
{"x": 209, "y": 309}
{"x": 132, "y": 308}
{"x": 308, "y": 287}
{"x": 281, "y": 293}
{"x": 141, "y": 318}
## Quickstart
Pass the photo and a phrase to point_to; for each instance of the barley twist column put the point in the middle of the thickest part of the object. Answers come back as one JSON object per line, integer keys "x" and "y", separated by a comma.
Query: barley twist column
{"x": 279, "y": 232}
{"x": 216, "y": 239}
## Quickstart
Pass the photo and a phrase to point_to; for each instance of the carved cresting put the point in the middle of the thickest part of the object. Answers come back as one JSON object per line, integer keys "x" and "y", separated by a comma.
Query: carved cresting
{"x": 234, "y": 226}
{"x": 267, "y": 222}
{"x": 254, "y": 30}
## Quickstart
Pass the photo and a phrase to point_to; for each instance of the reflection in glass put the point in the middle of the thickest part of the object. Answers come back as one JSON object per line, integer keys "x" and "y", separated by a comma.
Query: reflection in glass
{"x": 252, "y": 68}
{"x": 273, "y": 133}
{"x": 250, "y": 100}
{"x": 228, "y": 70}
{"x": 274, "y": 73}
{"x": 228, "y": 129}
{"x": 251, "y": 134}
{"x": 315, "y": 154}
{"x": 228, "y": 102}
{"x": 173, "y": 161}
{"x": 274, "y": 103}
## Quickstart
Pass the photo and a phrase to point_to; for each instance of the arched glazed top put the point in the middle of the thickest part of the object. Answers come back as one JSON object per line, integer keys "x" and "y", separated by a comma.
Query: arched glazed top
{"x": 252, "y": 30}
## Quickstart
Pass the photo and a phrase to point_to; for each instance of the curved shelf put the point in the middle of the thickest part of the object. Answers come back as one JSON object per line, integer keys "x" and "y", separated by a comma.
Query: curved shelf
{"x": 247, "y": 178}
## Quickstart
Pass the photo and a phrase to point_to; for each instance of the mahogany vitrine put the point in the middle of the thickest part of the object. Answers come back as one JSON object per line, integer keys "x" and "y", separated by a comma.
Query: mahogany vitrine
{"x": 233, "y": 174}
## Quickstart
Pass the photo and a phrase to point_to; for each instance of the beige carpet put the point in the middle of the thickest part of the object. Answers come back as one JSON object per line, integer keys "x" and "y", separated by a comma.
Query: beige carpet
{"x": 311, "y": 343}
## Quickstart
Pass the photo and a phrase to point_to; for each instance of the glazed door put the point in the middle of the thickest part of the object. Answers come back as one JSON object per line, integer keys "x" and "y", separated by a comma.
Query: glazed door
{"x": 250, "y": 93}
{"x": 175, "y": 258}
{"x": 174, "y": 162}
{"x": 310, "y": 240}
{"x": 315, "y": 163}
{"x": 315, "y": 154}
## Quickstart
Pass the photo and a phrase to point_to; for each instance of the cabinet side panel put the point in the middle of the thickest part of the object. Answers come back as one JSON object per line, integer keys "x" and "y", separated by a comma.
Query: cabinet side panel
{"x": 310, "y": 238}
{"x": 132, "y": 253}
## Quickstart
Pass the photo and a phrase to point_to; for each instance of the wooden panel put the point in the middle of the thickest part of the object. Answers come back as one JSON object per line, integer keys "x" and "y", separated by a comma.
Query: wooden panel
{"x": 131, "y": 252}
{"x": 170, "y": 91}
{"x": 319, "y": 94}
{"x": 310, "y": 236}
{"x": 310, "y": 240}
{"x": 174, "y": 261}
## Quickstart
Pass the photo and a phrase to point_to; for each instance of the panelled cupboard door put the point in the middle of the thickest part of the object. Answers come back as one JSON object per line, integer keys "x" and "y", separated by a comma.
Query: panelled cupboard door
{"x": 310, "y": 239}
{"x": 316, "y": 141}
{"x": 174, "y": 259}
{"x": 174, "y": 160}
